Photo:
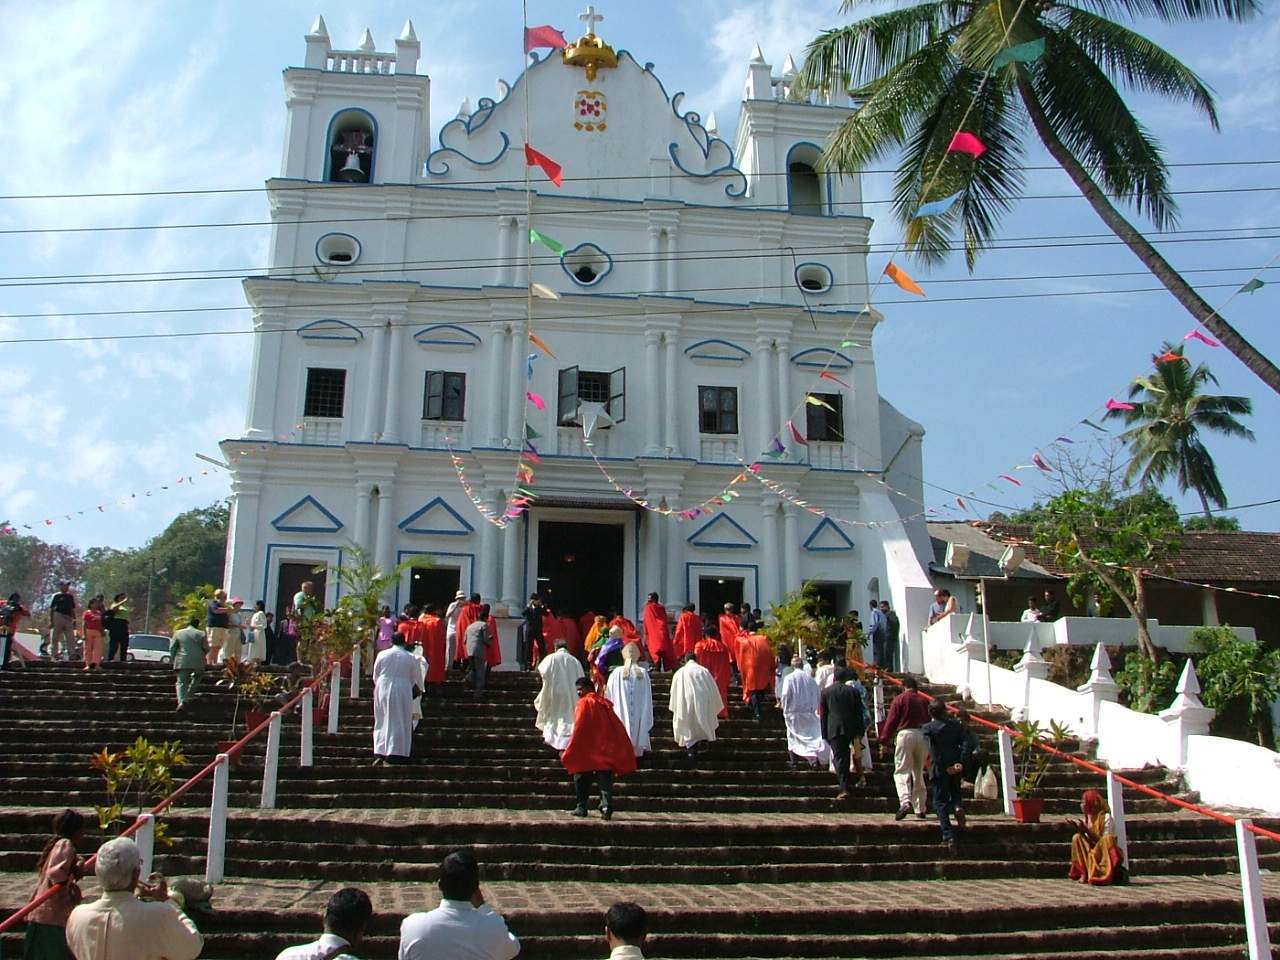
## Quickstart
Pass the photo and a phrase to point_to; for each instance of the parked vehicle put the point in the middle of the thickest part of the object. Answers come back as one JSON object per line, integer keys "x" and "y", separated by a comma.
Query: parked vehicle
{"x": 149, "y": 647}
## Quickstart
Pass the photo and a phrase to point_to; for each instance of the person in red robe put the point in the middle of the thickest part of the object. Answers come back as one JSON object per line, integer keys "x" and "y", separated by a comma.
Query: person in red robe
{"x": 657, "y": 634}
{"x": 599, "y": 750}
{"x": 714, "y": 655}
{"x": 470, "y": 611}
{"x": 758, "y": 668}
{"x": 433, "y": 643}
{"x": 688, "y": 632}
{"x": 586, "y": 621}
{"x": 552, "y": 628}
{"x": 493, "y": 652}
{"x": 729, "y": 628}
{"x": 629, "y": 631}
{"x": 572, "y": 636}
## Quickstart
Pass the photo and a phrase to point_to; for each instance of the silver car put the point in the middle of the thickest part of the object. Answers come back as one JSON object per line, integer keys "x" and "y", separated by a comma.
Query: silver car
{"x": 149, "y": 647}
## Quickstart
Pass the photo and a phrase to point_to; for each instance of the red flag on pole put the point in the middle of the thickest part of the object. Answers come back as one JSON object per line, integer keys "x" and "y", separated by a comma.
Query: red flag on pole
{"x": 535, "y": 159}
{"x": 543, "y": 36}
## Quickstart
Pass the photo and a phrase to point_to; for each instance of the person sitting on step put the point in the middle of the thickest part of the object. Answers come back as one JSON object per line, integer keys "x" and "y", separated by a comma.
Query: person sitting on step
{"x": 346, "y": 916}
{"x": 463, "y": 927}
{"x": 625, "y": 927}
{"x": 1095, "y": 857}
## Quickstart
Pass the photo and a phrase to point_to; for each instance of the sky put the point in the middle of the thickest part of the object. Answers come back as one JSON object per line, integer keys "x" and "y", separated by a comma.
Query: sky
{"x": 179, "y": 96}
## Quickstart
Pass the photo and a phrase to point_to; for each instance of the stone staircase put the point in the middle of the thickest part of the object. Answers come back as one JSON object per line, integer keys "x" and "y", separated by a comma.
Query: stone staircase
{"x": 735, "y": 855}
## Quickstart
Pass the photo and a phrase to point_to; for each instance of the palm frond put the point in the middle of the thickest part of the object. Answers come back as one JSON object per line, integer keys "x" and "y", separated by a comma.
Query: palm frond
{"x": 1175, "y": 10}
{"x": 868, "y": 49}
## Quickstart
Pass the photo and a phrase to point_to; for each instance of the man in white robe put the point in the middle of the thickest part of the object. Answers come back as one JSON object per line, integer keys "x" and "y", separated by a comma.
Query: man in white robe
{"x": 799, "y": 699}
{"x": 396, "y": 675}
{"x": 558, "y": 698}
{"x": 695, "y": 705}
{"x": 419, "y": 655}
{"x": 631, "y": 693}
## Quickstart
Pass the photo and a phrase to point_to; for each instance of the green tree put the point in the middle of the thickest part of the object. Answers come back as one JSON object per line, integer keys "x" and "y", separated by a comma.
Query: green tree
{"x": 923, "y": 71}
{"x": 1106, "y": 546}
{"x": 1236, "y": 672}
{"x": 1211, "y": 523}
{"x": 1170, "y": 412}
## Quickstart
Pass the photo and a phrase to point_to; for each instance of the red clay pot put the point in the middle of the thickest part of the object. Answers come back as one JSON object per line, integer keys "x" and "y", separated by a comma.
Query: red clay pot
{"x": 1028, "y": 809}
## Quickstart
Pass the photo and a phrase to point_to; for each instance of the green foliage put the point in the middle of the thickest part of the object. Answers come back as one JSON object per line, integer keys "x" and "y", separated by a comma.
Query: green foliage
{"x": 194, "y": 605}
{"x": 34, "y": 569}
{"x": 247, "y": 682}
{"x": 332, "y": 634}
{"x": 796, "y": 623}
{"x": 1212, "y": 522}
{"x": 135, "y": 778}
{"x": 1236, "y": 673}
{"x": 1148, "y": 685}
{"x": 1031, "y": 761}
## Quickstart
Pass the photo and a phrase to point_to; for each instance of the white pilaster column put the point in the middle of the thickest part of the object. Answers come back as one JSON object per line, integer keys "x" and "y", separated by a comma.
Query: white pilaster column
{"x": 504, "y": 268}
{"x": 522, "y": 253}
{"x": 673, "y": 585}
{"x": 651, "y": 554}
{"x": 652, "y": 388}
{"x": 363, "y": 495}
{"x": 768, "y": 424}
{"x": 375, "y": 401}
{"x": 672, "y": 261}
{"x": 513, "y": 565}
{"x": 385, "y": 551}
{"x": 671, "y": 397}
{"x": 487, "y": 562}
{"x": 518, "y": 384}
{"x": 655, "y": 259}
{"x": 785, "y": 400}
{"x": 260, "y": 421}
{"x": 1209, "y": 606}
{"x": 499, "y": 336}
{"x": 790, "y": 548}
{"x": 395, "y": 378}
{"x": 769, "y": 565}
{"x": 242, "y": 553}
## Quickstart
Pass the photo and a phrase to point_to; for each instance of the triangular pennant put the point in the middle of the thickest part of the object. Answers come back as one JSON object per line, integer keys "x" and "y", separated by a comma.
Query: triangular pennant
{"x": 535, "y": 399}
{"x": 530, "y": 433}
{"x": 935, "y": 207}
{"x": 548, "y": 166}
{"x": 902, "y": 278}
{"x": 1114, "y": 404}
{"x": 849, "y": 343}
{"x": 1252, "y": 285}
{"x": 796, "y": 435}
{"x": 1028, "y": 52}
{"x": 1039, "y": 461}
{"x": 528, "y": 365}
{"x": 1063, "y": 439}
{"x": 1012, "y": 479}
{"x": 1170, "y": 356}
{"x": 1203, "y": 338}
{"x": 828, "y": 375}
{"x": 1089, "y": 423}
{"x": 964, "y": 142}
{"x": 544, "y": 36}
{"x": 538, "y": 342}
{"x": 543, "y": 292}
{"x": 555, "y": 246}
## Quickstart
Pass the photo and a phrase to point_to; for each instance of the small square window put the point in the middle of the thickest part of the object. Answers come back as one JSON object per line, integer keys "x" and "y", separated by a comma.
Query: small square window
{"x": 444, "y": 397}
{"x": 823, "y": 424}
{"x": 718, "y": 409}
{"x": 593, "y": 387}
{"x": 326, "y": 393}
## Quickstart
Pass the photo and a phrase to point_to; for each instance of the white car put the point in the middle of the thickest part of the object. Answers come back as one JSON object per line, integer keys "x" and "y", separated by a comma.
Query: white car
{"x": 149, "y": 647}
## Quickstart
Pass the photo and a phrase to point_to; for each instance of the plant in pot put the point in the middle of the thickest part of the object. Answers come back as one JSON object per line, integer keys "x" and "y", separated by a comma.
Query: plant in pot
{"x": 261, "y": 691}
{"x": 135, "y": 778}
{"x": 238, "y": 676}
{"x": 1032, "y": 763}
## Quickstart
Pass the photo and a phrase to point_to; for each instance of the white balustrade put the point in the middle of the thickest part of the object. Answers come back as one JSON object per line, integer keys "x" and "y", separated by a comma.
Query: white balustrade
{"x": 829, "y": 455}
{"x": 355, "y": 674}
{"x": 216, "y": 859}
{"x": 1008, "y": 772}
{"x": 1255, "y": 908}
{"x": 439, "y": 434}
{"x": 718, "y": 449}
{"x": 321, "y": 430}
{"x": 361, "y": 61}
{"x": 335, "y": 696}
{"x": 1115, "y": 800}
{"x": 145, "y": 838}
{"x": 271, "y": 766}
{"x": 308, "y": 723}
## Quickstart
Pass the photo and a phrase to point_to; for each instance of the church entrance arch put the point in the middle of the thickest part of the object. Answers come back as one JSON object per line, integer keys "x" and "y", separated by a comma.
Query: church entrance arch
{"x": 583, "y": 560}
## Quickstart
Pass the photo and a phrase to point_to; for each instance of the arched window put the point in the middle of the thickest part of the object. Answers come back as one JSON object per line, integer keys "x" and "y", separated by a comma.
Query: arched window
{"x": 805, "y": 194}
{"x": 353, "y": 136}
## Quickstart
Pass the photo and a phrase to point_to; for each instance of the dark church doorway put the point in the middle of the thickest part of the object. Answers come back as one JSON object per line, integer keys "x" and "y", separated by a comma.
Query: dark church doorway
{"x": 436, "y": 585}
{"x": 292, "y": 576}
{"x": 715, "y": 592}
{"x": 580, "y": 567}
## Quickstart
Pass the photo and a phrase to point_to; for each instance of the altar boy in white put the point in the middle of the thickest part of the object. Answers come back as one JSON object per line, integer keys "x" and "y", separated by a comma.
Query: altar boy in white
{"x": 558, "y": 697}
{"x": 396, "y": 675}
{"x": 799, "y": 700}
{"x": 631, "y": 694}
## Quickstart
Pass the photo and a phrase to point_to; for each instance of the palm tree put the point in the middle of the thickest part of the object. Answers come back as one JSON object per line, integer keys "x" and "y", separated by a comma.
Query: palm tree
{"x": 920, "y": 74}
{"x": 1169, "y": 411}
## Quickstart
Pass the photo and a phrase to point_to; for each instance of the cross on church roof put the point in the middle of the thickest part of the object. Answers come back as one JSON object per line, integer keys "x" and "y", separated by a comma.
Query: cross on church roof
{"x": 591, "y": 18}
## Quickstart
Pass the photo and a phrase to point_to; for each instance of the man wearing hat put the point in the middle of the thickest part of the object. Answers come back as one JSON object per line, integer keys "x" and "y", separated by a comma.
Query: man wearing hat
{"x": 451, "y": 616}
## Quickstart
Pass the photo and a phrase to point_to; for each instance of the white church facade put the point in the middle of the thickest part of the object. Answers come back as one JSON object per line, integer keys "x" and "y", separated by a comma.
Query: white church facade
{"x": 702, "y": 288}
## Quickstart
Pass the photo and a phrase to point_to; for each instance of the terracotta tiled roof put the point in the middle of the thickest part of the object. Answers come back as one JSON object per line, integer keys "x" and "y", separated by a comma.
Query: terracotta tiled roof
{"x": 1226, "y": 556}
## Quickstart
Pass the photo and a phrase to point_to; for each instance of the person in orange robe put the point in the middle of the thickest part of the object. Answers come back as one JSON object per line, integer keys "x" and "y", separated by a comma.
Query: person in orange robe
{"x": 729, "y": 629}
{"x": 466, "y": 618}
{"x": 493, "y": 653}
{"x": 599, "y": 750}
{"x": 433, "y": 643}
{"x": 688, "y": 632}
{"x": 572, "y": 636}
{"x": 714, "y": 655}
{"x": 657, "y": 634}
{"x": 758, "y": 667}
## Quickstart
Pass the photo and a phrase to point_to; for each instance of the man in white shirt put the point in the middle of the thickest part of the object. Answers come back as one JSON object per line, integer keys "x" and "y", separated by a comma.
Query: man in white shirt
{"x": 625, "y": 927}
{"x": 120, "y": 926}
{"x": 346, "y": 916}
{"x": 463, "y": 927}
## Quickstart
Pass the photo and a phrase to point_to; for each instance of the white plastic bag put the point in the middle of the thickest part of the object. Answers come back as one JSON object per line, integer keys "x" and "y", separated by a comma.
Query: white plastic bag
{"x": 986, "y": 787}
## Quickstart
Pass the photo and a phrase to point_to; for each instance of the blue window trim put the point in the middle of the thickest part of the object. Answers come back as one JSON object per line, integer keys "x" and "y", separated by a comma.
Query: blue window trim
{"x": 471, "y": 339}
{"x": 786, "y": 170}
{"x": 827, "y": 524}
{"x": 842, "y": 361}
{"x": 594, "y": 246}
{"x": 355, "y": 336}
{"x": 407, "y": 523}
{"x": 740, "y": 353}
{"x": 266, "y": 567}
{"x": 338, "y": 233}
{"x": 470, "y": 558}
{"x": 328, "y": 143}
{"x": 814, "y": 263}
{"x": 291, "y": 528}
{"x": 692, "y": 539}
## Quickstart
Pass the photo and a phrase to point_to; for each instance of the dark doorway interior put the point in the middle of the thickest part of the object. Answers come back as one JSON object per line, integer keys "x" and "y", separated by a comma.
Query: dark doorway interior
{"x": 580, "y": 567}
{"x": 434, "y": 585}
{"x": 833, "y": 600}
{"x": 292, "y": 576}
{"x": 715, "y": 592}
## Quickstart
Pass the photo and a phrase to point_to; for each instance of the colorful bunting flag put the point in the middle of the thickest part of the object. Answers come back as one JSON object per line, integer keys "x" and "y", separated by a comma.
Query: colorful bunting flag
{"x": 535, "y": 399}
{"x": 544, "y": 36}
{"x": 530, "y": 433}
{"x": 1014, "y": 480}
{"x": 542, "y": 291}
{"x": 1089, "y": 423}
{"x": 1063, "y": 439}
{"x": 935, "y": 207}
{"x": 548, "y": 166}
{"x": 1171, "y": 357}
{"x": 828, "y": 375}
{"x": 796, "y": 435}
{"x": 815, "y": 402}
{"x": 1207, "y": 340}
{"x": 964, "y": 142}
{"x": 849, "y": 343}
{"x": 963, "y": 505}
{"x": 538, "y": 342}
{"x": 1028, "y": 52}
{"x": 1252, "y": 285}
{"x": 902, "y": 278}
{"x": 552, "y": 244}
{"x": 1039, "y": 461}
{"x": 1114, "y": 404}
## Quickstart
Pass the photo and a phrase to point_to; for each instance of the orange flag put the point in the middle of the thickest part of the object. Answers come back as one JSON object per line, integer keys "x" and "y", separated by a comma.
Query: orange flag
{"x": 538, "y": 342}
{"x": 902, "y": 278}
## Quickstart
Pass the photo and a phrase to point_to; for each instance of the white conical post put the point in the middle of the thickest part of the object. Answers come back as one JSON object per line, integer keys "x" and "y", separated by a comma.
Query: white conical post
{"x": 216, "y": 861}
{"x": 145, "y": 838}
{"x": 271, "y": 767}
{"x": 308, "y": 722}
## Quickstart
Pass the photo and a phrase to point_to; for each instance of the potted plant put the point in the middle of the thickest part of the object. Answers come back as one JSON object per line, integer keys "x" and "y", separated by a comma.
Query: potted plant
{"x": 135, "y": 778}
{"x": 1032, "y": 763}
{"x": 261, "y": 690}
{"x": 238, "y": 676}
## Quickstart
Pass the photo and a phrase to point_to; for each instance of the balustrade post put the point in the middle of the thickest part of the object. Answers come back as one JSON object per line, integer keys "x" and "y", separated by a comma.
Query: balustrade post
{"x": 1008, "y": 772}
{"x": 335, "y": 695}
{"x": 271, "y": 766}
{"x": 355, "y": 673}
{"x": 1255, "y": 910}
{"x": 1115, "y": 800}
{"x": 215, "y": 861}
{"x": 308, "y": 722}
{"x": 145, "y": 838}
